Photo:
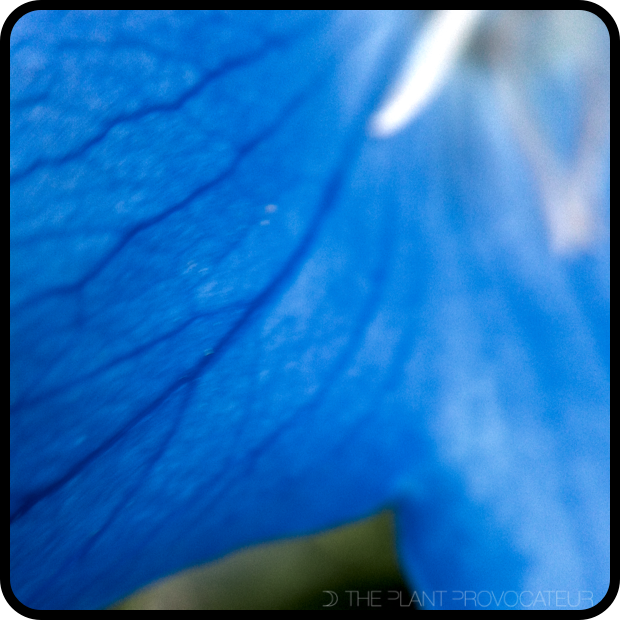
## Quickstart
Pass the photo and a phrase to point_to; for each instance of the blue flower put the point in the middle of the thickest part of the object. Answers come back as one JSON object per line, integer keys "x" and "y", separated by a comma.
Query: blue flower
{"x": 247, "y": 302}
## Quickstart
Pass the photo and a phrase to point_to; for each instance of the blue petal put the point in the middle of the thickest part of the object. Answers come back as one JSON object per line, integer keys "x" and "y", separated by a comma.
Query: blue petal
{"x": 234, "y": 317}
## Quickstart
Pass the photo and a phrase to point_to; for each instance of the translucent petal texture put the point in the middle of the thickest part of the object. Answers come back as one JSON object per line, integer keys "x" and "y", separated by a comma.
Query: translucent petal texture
{"x": 235, "y": 317}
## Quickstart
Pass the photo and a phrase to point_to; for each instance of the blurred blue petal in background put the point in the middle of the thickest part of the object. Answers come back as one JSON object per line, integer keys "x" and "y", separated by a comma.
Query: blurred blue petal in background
{"x": 246, "y": 306}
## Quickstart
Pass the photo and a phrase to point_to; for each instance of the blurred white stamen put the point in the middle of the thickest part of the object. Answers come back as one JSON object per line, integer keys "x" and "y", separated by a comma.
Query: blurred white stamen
{"x": 568, "y": 192}
{"x": 426, "y": 69}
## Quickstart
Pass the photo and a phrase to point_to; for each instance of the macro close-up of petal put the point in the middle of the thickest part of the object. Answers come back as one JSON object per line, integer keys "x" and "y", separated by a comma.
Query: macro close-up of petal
{"x": 274, "y": 272}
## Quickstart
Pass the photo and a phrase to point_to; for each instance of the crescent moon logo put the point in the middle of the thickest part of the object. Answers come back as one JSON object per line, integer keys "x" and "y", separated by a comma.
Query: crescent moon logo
{"x": 334, "y": 598}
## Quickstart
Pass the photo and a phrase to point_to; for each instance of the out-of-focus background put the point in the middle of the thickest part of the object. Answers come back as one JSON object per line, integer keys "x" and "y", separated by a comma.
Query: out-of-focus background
{"x": 352, "y": 561}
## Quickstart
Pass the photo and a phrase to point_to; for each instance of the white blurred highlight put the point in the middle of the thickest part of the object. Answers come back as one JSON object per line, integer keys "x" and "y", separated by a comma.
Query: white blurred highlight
{"x": 568, "y": 192}
{"x": 426, "y": 69}
{"x": 562, "y": 45}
